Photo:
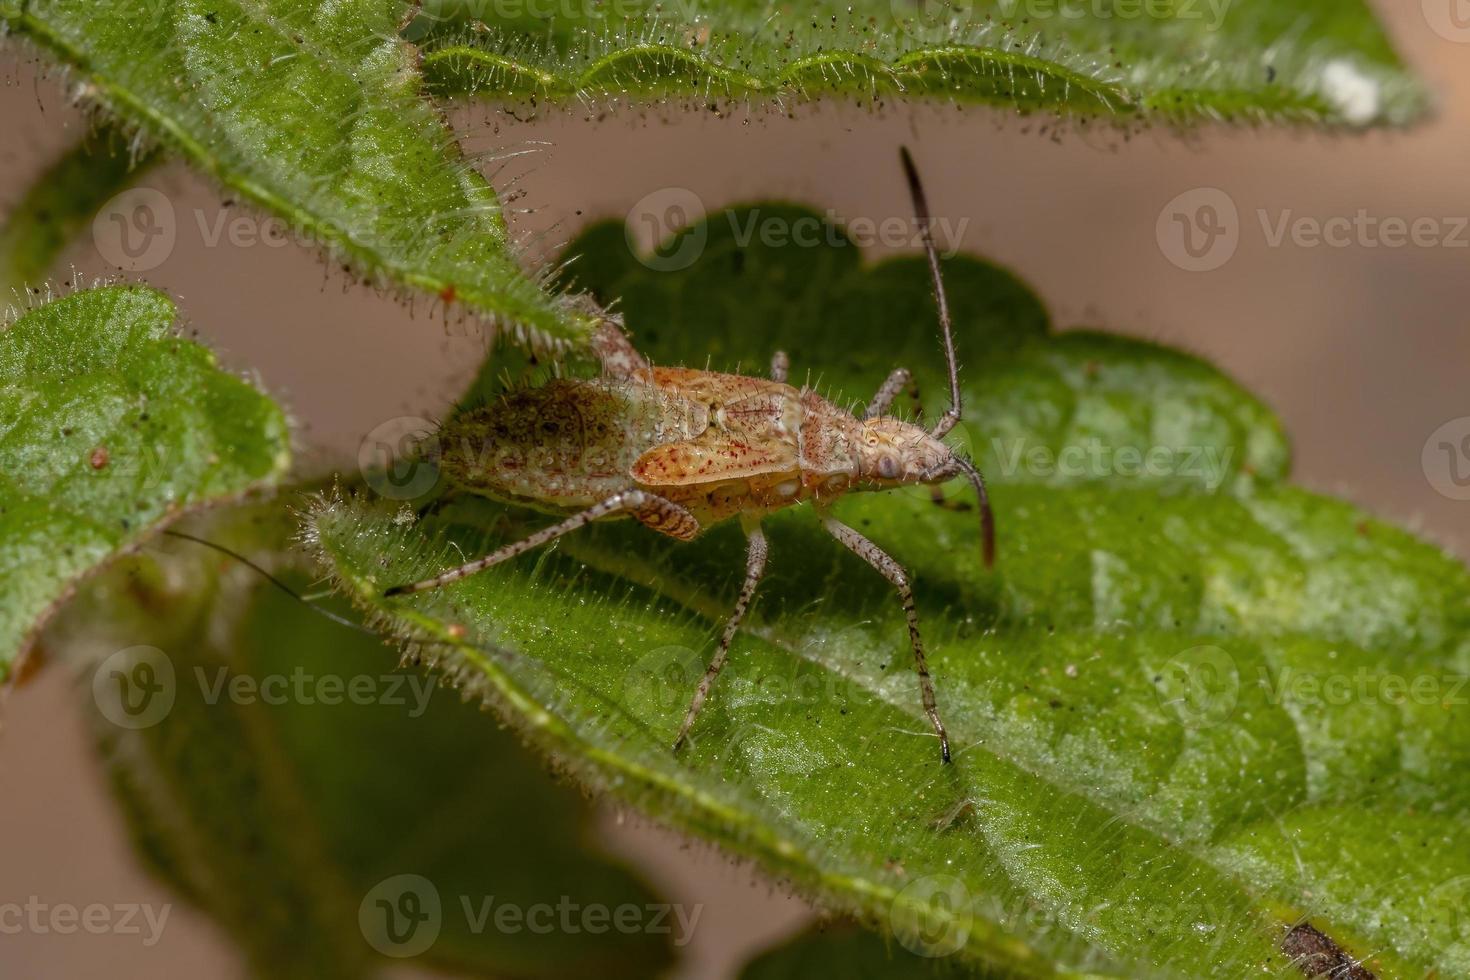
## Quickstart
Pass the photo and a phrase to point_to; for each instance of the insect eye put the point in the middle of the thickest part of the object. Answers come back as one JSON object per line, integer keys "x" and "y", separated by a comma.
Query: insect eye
{"x": 888, "y": 468}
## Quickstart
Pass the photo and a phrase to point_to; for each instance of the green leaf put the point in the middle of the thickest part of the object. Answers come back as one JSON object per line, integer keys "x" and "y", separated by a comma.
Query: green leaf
{"x": 1324, "y": 61}
{"x": 61, "y": 203}
{"x": 313, "y": 110}
{"x": 851, "y": 954}
{"x": 110, "y": 426}
{"x": 1149, "y": 778}
{"x": 287, "y": 777}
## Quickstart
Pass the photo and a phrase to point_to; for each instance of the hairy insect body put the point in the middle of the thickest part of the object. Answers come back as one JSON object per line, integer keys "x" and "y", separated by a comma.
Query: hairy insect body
{"x": 680, "y": 449}
{"x": 565, "y": 444}
{"x": 720, "y": 445}
{"x": 767, "y": 446}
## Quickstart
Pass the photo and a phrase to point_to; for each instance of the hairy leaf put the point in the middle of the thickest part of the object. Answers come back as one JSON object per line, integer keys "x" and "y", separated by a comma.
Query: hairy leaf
{"x": 111, "y": 425}
{"x": 326, "y": 807}
{"x": 1179, "y": 60}
{"x": 852, "y": 954}
{"x": 1203, "y": 726}
{"x": 314, "y": 110}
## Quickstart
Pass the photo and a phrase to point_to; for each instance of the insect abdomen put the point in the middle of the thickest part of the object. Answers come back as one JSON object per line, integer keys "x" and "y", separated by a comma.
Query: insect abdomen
{"x": 566, "y": 443}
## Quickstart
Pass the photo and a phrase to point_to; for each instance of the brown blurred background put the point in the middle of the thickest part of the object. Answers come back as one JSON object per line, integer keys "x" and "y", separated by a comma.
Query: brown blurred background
{"x": 1363, "y": 351}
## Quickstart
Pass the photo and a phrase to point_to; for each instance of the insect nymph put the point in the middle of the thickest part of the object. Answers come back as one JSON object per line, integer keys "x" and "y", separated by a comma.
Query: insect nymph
{"x": 679, "y": 449}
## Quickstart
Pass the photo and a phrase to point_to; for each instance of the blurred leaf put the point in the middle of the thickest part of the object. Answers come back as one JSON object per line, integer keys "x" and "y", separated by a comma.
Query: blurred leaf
{"x": 63, "y": 202}
{"x": 1323, "y": 61}
{"x": 111, "y": 425}
{"x": 1149, "y": 780}
{"x": 288, "y": 778}
{"x": 313, "y": 110}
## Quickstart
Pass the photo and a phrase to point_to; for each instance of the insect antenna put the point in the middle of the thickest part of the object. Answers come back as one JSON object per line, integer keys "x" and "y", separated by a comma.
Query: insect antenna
{"x": 948, "y": 420}
{"x": 317, "y": 608}
{"x": 253, "y": 566}
{"x": 921, "y": 216}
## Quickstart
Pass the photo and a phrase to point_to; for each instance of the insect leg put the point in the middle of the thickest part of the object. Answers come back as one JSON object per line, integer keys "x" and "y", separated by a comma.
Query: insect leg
{"x": 780, "y": 366}
{"x": 755, "y": 565}
{"x": 666, "y": 517}
{"x": 648, "y": 507}
{"x": 893, "y": 571}
{"x": 615, "y": 351}
{"x": 897, "y": 381}
{"x": 921, "y": 213}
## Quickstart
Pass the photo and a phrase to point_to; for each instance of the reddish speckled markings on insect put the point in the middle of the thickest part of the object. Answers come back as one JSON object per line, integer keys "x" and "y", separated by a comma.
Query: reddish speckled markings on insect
{"x": 719, "y": 445}
{"x": 680, "y": 449}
